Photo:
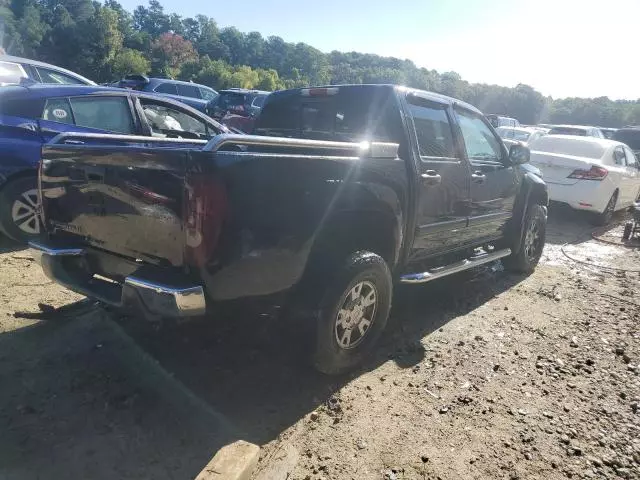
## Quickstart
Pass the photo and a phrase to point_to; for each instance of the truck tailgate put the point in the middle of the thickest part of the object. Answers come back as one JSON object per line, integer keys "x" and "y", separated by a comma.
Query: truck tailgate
{"x": 122, "y": 199}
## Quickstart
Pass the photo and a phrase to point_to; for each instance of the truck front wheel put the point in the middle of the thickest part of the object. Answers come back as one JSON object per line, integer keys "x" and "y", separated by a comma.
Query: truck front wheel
{"x": 525, "y": 259}
{"x": 353, "y": 312}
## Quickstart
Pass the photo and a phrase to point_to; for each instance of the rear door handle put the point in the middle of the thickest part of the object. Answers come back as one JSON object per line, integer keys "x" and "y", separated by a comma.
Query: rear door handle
{"x": 478, "y": 177}
{"x": 74, "y": 142}
{"x": 431, "y": 177}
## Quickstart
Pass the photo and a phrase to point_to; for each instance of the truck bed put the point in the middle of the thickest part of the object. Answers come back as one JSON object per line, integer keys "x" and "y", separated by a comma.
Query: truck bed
{"x": 238, "y": 223}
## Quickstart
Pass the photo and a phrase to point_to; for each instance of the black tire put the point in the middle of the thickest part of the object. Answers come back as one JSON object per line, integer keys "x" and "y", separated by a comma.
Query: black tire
{"x": 19, "y": 213}
{"x": 605, "y": 217}
{"x": 628, "y": 230}
{"x": 528, "y": 253}
{"x": 371, "y": 273}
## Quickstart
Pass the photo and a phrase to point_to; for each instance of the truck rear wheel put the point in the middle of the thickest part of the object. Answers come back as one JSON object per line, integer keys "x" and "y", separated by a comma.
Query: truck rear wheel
{"x": 532, "y": 242}
{"x": 353, "y": 313}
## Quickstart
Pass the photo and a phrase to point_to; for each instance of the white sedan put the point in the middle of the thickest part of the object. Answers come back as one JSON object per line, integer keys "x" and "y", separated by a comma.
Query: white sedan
{"x": 525, "y": 135}
{"x": 592, "y": 174}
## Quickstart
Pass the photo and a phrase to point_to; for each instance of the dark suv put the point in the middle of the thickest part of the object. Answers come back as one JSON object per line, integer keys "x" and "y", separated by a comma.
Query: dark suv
{"x": 193, "y": 94}
{"x": 630, "y": 136}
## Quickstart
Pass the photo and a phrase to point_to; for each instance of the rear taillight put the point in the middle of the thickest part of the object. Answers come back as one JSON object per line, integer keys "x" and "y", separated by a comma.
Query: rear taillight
{"x": 319, "y": 92}
{"x": 594, "y": 173}
{"x": 204, "y": 214}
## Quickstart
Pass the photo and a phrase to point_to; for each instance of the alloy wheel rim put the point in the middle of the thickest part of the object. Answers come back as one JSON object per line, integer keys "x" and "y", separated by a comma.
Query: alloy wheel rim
{"x": 532, "y": 240}
{"x": 25, "y": 212}
{"x": 356, "y": 315}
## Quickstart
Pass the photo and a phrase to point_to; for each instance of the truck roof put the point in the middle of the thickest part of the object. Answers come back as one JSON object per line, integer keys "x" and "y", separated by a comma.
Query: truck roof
{"x": 398, "y": 88}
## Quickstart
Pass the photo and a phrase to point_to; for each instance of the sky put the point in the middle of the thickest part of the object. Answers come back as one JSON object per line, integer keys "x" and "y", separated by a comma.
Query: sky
{"x": 562, "y": 48}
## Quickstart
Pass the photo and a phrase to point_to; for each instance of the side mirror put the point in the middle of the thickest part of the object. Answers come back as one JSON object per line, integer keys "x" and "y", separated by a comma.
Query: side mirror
{"x": 519, "y": 154}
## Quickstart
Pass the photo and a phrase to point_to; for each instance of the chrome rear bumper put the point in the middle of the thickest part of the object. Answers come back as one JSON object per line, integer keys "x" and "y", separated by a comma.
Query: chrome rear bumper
{"x": 155, "y": 297}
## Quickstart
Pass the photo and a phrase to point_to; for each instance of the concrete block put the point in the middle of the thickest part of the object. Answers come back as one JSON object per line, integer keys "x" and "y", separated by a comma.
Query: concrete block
{"x": 235, "y": 461}
{"x": 280, "y": 466}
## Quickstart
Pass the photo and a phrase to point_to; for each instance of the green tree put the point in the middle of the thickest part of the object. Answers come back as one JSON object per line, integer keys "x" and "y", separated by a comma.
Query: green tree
{"x": 129, "y": 62}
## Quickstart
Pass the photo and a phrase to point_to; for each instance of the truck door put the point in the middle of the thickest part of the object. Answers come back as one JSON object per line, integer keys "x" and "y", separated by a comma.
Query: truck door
{"x": 494, "y": 181}
{"x": 443, "y": 179}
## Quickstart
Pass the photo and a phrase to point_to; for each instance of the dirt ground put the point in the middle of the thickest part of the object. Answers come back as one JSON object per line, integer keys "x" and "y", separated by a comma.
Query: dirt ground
{"x": 481, "y": 375}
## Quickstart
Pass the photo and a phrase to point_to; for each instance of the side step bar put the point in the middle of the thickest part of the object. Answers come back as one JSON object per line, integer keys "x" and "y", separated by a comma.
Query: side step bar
{"x": 423, "y": 277}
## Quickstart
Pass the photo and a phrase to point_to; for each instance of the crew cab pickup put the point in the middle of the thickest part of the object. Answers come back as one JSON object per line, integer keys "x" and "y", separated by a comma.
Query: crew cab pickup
{"x": 342, "y": 192}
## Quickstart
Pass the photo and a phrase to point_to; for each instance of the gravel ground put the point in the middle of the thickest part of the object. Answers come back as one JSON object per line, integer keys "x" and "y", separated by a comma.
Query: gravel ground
{"x": 481, "y": 375}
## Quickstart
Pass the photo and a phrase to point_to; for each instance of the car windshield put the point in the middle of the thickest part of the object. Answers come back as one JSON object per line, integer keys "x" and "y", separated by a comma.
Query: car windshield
{"x": 11, "y": 73}
{"x": 581, "y": 132}
{"x": 259, "y": 101}
{"x": 630, "y": 137}
{"x": 513, "y": 134}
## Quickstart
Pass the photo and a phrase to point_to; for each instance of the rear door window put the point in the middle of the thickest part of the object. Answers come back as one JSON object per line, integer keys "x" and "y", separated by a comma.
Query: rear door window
{"x": 432, "y": 127}
{"x": 188, "y": 91}
{"x": 106, "y": 113}
{"x": 168, "y": 88}
{"x": 111, "y": 114}
{"x": 619, "y": 157}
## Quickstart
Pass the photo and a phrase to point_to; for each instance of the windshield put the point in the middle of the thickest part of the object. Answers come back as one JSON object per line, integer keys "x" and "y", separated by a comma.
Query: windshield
{"x": 11, "y": 72}
{"x": 512, "y": 134}
{"x": 630, "y": 137}
{"x": 581, "y": 132}
{"x": 259, "y": 101}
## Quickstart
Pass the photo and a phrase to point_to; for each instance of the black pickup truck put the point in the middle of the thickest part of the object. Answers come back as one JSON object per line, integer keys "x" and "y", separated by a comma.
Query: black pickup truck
{"x": 341, "y": 192}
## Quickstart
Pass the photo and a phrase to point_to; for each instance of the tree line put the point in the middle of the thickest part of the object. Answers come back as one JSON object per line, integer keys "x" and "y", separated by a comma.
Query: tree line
{"x": 104, "y": 42}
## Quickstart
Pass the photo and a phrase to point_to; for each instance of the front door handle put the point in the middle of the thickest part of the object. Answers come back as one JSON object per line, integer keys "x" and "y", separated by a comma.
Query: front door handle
{"x": 431, "y": 177}
{"x": 478, "y": 177}
{"x": 74, "y": 142}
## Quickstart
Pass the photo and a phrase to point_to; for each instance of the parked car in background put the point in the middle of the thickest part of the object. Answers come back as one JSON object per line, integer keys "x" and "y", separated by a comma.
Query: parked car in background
{"x": 312, "y": 212}
{"x": 587, "y": 173}
{"x": 237, "y": 107}
{"x": 630, "y": 137}
{"x": 12, "y": 69}
{"x": 501, "y": 121}
{"x": 520, "y": 134}
{"x": 193, "y": 94}
{"x": 609, "y": 133}
{"x": 577, "y": 130}
{"x": 31, "y": 116}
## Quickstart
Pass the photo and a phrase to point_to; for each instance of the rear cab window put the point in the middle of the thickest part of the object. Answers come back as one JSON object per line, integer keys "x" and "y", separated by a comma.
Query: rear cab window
{"x": 336, "y": 113}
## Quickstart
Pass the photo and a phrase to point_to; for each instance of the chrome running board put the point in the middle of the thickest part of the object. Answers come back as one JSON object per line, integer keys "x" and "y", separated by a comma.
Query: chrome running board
{"x": 423, "y": 277}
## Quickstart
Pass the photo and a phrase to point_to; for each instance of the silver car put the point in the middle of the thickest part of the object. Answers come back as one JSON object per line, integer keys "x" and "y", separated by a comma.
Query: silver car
{"x": 13, "y": 69}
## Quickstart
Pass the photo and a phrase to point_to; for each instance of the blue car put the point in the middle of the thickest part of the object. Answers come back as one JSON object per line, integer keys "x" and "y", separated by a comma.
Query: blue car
{"x": 193, "y": 94}
{"x": 32, "y": 115}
